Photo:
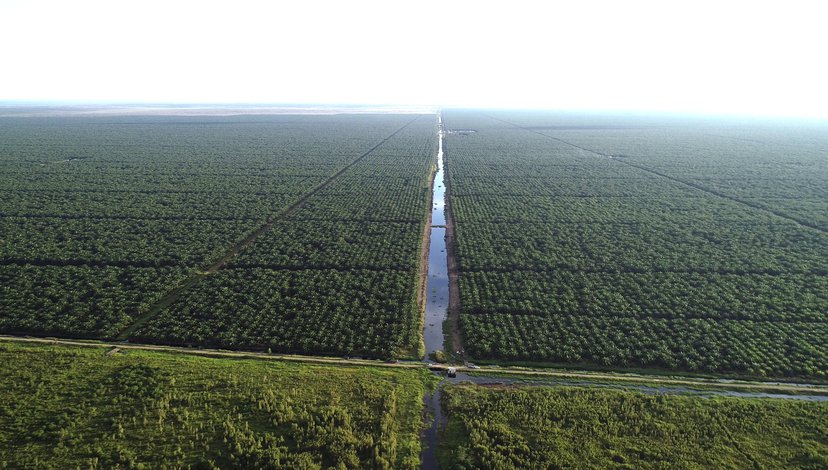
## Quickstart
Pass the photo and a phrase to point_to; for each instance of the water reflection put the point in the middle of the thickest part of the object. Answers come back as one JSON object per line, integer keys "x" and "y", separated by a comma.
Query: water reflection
{"x": 438, "y": 282}
{"x": 436, "y": 308}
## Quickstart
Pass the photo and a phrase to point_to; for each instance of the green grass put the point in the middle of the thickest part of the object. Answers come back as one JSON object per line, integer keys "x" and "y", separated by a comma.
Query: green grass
{"x": 572, "y": 427}
{"x": 635, "y": 383}
{"x": 649, "y": 371}
{"x": 67, "y": 407}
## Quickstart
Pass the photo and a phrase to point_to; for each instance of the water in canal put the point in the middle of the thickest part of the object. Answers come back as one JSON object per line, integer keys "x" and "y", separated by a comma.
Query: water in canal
{"x": 436, "y": 308}
{"x": 431, "y": 438}
{"x": 437, "y": 295}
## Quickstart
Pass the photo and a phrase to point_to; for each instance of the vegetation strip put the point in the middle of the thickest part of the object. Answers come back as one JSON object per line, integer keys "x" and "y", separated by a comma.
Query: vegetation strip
{"x": 115, "y": 217}
{"x": 176, "y": 293}
{"x": 86, "y": 262}
{"x": 598, "y": 270}
{"x": 457, "y": 347}
{"x": 763, "y": 142}
{"x": 425, "y": 247}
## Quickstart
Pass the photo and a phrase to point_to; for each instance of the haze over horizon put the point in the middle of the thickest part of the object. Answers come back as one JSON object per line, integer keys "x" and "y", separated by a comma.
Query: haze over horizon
{"x": 739, "y": 57}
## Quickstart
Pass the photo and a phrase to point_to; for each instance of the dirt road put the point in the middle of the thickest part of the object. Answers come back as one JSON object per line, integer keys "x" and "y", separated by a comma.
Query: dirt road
{"x": 485, "y": 372}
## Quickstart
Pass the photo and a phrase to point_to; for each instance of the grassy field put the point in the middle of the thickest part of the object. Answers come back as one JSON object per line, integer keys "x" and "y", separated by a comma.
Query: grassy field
{"x": 67, "y": 407}
{"x": 502, "y": 427}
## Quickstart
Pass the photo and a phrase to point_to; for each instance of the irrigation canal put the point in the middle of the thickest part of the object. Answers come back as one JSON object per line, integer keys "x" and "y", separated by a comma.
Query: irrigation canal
{"x": 436, "y": 312}
{"x": 437, "y": 288}
{"x": 437, "y": 298}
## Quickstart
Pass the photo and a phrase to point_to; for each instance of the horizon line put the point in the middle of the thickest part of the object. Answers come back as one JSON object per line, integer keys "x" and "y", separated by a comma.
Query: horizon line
{"x": 642, "y": 112}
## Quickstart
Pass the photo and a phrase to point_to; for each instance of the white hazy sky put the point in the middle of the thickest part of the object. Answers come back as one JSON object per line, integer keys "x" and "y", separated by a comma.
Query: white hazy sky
{"x": 744, "y": 57}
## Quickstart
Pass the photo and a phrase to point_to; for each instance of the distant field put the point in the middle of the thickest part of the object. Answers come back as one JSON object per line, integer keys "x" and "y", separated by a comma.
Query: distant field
{"x": 102, "y": 217}
{"x": 196, "y": 110}
{"x": 641, "y": 243}
{"x": 569, "y": 427}
{"x": 66, "y": 407}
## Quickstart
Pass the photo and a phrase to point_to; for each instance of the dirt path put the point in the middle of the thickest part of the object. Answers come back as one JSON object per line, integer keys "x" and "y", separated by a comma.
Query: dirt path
{"x": 483, "y": 373}
{"x": 425, "y": 244}
{"x": 235, "y": 249}
{"x": 453, "y": 268}
{"x": 122, "y": 347}
{"x": 425, "y": 247}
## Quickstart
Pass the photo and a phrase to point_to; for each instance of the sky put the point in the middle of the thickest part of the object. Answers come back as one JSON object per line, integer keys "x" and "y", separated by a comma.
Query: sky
{"x": 708, "y": 57}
